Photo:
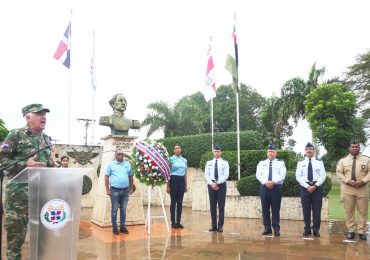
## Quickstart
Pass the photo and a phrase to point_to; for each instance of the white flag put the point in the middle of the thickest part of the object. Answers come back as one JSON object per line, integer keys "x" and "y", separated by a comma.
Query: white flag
{"x": 209, "y": 91}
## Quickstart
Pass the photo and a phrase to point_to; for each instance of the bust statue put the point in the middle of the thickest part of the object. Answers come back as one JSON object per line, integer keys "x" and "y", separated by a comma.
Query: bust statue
{"x": 118, "y": 124}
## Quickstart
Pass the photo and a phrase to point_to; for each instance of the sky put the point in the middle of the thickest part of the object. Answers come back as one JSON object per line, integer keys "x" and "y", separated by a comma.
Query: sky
{"x": 154, "y": 51}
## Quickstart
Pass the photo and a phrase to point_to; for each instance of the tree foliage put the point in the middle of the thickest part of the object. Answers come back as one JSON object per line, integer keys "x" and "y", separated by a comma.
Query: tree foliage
{"x": 274, "y": 130}
{"x": 331, "y": 112}
{"x": 294, "y": 93}
{"x": 3, "y": 130}
{"x": 358, "y": 78}
{"x": 191, "y": 114}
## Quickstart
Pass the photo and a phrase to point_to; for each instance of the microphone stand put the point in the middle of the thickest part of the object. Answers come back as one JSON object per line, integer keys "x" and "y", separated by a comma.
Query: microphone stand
{"x": 1, "y": 188}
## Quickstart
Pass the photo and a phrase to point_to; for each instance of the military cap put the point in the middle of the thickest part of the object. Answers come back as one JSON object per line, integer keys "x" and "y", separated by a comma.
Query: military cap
{"x": 217, "y": 147}
{"x": 309, "y": 145}
{"x": 271, "y": 147}
{"x": 34, "y": 108}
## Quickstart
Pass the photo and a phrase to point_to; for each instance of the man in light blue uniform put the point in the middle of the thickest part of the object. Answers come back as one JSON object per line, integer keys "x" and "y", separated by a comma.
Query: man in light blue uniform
{"x": 217, "y": 172}
{"x": 119, "y": 184}
{"x": 311, "y": 175}
{"x": 271, "y": 174}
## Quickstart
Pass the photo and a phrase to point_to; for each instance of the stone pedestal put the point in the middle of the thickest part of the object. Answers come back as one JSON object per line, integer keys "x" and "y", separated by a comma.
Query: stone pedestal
{"x": 102, "y": 208}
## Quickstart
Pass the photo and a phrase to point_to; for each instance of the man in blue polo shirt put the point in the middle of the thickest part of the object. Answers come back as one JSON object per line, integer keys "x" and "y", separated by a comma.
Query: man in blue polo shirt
{"x": 119, "y": 185}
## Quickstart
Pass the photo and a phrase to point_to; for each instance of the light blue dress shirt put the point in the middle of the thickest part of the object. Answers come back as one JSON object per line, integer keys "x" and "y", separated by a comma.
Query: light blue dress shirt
{"x": 119, "y": 174}
{"x": 318, "y": 172}
{"x": 178, "y": 165}
{"x": 223, "y": 171}
{"x": 278, "y": 171}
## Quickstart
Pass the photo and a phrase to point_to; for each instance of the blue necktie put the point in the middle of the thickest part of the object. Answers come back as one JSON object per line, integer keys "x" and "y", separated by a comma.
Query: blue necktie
{"x": 270, "y": 172}
{"x": 310, "y": 172}
{"x": 216, "y": 171}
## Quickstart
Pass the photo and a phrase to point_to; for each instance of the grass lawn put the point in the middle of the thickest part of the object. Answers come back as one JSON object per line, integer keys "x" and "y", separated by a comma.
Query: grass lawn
{"x": 336, "y": 208}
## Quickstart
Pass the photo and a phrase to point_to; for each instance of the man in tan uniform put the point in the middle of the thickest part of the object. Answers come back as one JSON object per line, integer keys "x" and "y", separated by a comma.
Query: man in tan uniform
{"x": 354, "y": 172}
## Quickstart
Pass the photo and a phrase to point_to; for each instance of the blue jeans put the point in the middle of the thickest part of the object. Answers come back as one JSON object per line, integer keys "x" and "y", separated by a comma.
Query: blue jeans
{"x": 119, "y": 197}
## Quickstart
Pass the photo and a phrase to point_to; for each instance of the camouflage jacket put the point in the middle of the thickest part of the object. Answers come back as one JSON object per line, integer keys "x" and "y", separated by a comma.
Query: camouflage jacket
{"x": 18, "y": 144}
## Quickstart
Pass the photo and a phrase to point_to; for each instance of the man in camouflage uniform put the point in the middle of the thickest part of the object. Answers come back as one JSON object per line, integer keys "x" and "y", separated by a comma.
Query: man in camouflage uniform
{"x": 19, "y": 144}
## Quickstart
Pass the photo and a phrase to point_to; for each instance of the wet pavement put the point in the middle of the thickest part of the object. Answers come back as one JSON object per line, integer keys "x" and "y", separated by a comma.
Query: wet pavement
{"x": 241, "y": 239}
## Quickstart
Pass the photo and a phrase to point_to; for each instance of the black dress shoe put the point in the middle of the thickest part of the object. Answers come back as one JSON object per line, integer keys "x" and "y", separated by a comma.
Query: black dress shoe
{"x": 316, "y": 233}
{"x": 220, "y": 229}
{"x": 306, "y": 233}
{"x": 123, "y": 230}
{"x": 115, "y": 231}
{"x": 351, "y": 235}
{"x": 174, "y": 225}
{"x": 267, "y": 232}
{"x": 213, "y": 229}
{"x": 362, "y": 237}
{"x": 179, "y": 225}
{"x": 277, "y": 233}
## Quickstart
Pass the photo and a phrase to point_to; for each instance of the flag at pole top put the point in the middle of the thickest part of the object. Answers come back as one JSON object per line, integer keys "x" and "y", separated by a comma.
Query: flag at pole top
{"x": 209, "y": 90}
{"x": 232, "y": 61}
{"x": 63, "y": 52}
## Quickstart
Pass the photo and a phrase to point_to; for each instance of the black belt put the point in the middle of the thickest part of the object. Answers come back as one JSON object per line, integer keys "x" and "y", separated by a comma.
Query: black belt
{"x": 114, "y": 188}
{"x": 311, "y": 183}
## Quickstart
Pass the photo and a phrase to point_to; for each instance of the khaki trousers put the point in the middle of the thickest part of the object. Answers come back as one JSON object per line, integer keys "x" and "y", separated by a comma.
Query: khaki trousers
{"x": 358, "y": 198}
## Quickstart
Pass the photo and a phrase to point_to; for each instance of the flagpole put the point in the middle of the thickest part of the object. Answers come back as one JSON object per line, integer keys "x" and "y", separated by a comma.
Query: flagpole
{"x": 212, "y": 122}
{"x": 237, "y": 131}
{"x": 94, "y": 88}
{"x": 237, "y": 97}
{"x": 70, "y": 85}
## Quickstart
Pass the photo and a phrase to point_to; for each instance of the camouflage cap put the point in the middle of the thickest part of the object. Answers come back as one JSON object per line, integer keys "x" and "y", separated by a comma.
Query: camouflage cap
{"x": 34, "y": 108}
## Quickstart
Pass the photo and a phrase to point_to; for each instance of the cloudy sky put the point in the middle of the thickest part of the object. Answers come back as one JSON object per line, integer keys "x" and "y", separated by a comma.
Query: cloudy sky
{"x": 156, "y": 50}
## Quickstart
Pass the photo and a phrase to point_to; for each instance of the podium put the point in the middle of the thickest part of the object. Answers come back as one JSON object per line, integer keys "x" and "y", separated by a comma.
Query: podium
{"x": 54, "y": 210}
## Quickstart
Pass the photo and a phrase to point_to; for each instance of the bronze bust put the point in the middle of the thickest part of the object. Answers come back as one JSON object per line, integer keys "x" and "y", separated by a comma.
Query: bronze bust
{"x": 118, "y": 124}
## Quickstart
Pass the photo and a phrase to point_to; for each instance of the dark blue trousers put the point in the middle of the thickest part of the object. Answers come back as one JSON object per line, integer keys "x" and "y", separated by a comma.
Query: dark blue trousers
{"x": 271, "y": 198}
{"x": 217, "y": 197}
{"x": 177, "y": 190}
{"x": 311, "y": 201}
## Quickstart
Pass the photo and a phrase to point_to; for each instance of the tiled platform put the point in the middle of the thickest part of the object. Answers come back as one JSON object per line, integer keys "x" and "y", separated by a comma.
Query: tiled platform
{"x": 241, "y": 239}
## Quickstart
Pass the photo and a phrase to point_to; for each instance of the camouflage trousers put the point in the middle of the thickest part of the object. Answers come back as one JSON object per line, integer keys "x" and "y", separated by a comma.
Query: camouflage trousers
{"x": 16, "y": 218}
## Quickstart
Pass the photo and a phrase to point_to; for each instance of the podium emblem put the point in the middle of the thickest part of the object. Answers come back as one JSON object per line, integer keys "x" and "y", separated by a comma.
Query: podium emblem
{"x": 55, "y": 214}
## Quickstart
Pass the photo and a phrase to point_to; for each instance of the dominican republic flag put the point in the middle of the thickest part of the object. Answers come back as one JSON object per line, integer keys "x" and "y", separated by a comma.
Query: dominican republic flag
{"x": 232, "y": 60}
{"x": 209, "y": 91}
{"x": 63, "y": 52}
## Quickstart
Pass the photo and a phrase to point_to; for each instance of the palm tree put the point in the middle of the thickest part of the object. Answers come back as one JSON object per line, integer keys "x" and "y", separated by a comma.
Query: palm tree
{"x": 294, "y": 93}
{"x": 162, "y": 117}
{"x": 293, "y": 97}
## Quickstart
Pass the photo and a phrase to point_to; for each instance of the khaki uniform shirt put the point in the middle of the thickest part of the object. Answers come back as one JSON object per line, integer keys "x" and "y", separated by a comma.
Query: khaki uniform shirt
{"x": 344, "y": 169}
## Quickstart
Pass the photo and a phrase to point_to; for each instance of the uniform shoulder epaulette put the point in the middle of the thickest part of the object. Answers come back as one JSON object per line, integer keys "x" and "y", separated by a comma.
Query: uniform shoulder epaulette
{"x": 301, "y": 160}
{"x": 317, "y": 159}
{"x": 366, "y": 156}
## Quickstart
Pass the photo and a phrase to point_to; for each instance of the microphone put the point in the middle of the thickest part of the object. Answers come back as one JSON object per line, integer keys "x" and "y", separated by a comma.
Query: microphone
{"x": 48, "y": 141}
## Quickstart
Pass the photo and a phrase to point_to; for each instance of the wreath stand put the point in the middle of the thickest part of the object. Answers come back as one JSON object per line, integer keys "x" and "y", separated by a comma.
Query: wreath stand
{"x": 149, "y": 217}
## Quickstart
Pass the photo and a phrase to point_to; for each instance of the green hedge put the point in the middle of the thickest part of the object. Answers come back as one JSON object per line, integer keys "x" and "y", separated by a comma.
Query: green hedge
{"x": 249, "y": 186}
{"x": 194, "y": 146}
{"x": 248, "y": 161}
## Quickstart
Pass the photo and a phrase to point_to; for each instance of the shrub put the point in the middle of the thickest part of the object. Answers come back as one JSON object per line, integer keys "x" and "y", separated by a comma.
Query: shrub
{"x": 194, "y": 146}
{"x": 248, "y": 161}
{"x": 249, "y": 186}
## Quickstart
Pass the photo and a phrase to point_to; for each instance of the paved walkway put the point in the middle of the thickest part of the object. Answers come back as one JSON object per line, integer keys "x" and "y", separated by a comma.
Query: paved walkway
{"x": 241, "y": 239}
